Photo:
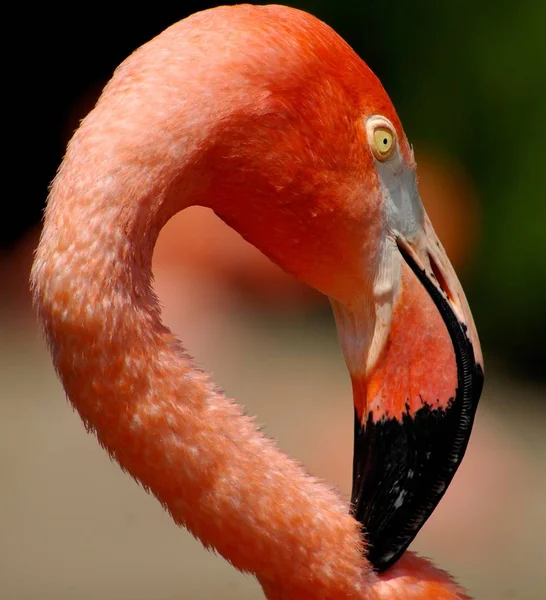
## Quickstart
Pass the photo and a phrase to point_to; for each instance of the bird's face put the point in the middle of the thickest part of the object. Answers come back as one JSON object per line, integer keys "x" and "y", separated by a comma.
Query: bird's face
{"x": 412, "y": 350}
{"x": 396, "y": 247}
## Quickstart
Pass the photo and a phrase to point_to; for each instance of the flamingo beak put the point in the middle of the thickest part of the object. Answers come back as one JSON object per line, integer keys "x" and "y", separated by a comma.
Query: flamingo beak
{"x": 417, "y": 395}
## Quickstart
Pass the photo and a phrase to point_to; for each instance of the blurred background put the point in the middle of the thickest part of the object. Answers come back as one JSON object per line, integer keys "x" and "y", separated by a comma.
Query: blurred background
{"x": 465, "y": 78}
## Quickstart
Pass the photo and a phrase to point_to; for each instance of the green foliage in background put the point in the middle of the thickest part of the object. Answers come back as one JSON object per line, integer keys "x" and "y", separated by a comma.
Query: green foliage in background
{"x": 469, "y": 79}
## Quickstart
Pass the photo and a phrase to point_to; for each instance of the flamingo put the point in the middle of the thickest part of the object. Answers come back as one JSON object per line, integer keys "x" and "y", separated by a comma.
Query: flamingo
{"x": 266, "y": 116}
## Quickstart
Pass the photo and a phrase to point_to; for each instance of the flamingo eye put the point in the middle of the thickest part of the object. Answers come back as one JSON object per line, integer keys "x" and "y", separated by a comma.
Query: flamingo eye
{"x": 382, "y": 142}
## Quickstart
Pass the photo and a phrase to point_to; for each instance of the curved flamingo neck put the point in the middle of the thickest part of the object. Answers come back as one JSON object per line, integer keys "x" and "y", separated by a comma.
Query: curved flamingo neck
{"x": 163, "y": 419}
{"x": 132, "y": 165}
{"x": 151, "y": 408}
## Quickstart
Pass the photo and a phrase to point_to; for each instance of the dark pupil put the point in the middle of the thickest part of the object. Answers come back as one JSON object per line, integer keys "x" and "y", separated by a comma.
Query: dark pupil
{"x": 385, "y": 141}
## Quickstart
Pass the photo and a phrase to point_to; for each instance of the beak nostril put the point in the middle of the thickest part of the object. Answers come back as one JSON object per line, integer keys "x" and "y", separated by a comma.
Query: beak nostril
{"x": 440, "y": 278}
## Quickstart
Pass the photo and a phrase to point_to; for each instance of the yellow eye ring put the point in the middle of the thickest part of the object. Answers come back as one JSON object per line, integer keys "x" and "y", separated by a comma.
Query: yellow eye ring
{"x": 382, "y": 142}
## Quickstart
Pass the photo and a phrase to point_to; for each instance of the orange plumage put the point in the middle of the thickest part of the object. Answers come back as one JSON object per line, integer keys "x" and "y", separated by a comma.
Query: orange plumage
{"x": 260, "y": 114}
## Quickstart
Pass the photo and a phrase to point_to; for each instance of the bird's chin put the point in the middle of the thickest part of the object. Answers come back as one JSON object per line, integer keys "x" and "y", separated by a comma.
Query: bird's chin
{"x": 415, "y": 405}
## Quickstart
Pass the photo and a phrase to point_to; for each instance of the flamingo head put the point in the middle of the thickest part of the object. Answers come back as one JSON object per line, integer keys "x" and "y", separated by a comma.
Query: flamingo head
{"x": 321, "y": 177}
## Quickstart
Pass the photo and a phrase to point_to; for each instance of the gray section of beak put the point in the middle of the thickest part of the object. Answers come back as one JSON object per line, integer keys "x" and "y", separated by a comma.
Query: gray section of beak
{"x": 404, "y": 209}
